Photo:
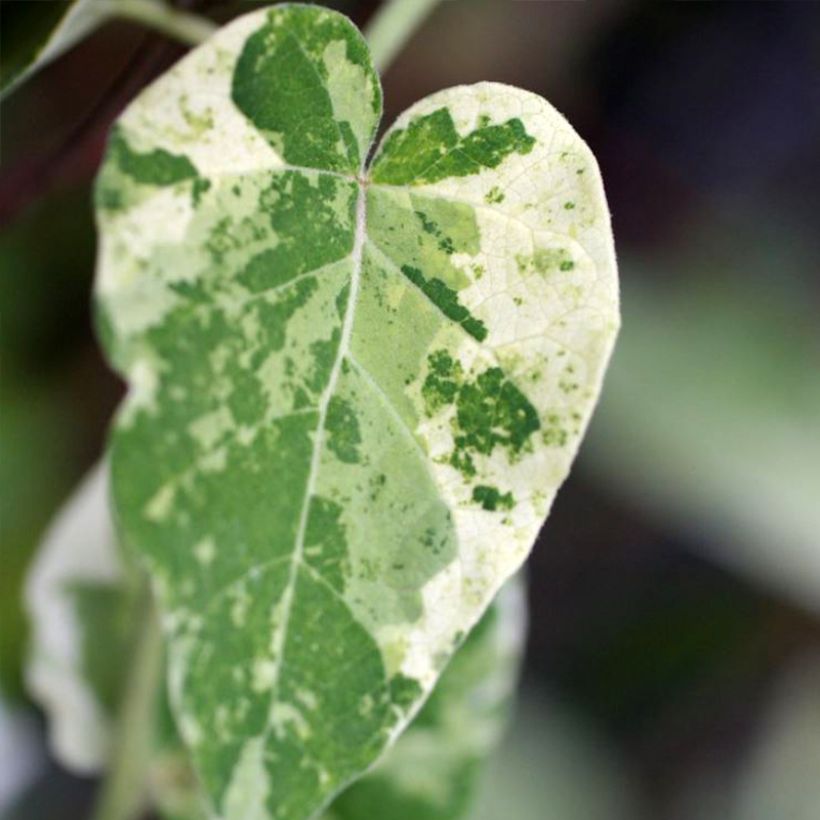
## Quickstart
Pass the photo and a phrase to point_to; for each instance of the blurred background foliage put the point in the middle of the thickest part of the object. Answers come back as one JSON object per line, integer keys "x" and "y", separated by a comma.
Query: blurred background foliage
{"x": 674, "y": 648}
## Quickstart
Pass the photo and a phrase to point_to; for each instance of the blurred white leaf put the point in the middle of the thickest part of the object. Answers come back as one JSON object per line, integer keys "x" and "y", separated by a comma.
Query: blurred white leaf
{"x": 79, "y": 548}
{"x": 555, "y": 767}
{"x": 711, "y": 418}
{"x": 20, "y": 758}
{"x": 779, "y": 775}
{"x": 782, "y": 778}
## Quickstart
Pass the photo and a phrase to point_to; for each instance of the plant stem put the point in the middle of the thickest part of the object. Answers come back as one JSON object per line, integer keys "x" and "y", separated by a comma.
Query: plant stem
{"x": 189, "y": 28}
{"x": 123, "y": 791}
{"x": 392, "y": 26}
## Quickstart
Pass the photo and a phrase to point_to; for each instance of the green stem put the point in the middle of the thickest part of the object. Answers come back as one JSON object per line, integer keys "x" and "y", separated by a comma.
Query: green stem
{"x": 123, "y": 792}
{"x": 189, "y": 28}
{"x": 392, "y": 26}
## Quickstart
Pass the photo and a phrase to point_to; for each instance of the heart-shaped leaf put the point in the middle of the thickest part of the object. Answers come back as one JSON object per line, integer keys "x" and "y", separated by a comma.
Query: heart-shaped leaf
{"x": 354, "y": 391}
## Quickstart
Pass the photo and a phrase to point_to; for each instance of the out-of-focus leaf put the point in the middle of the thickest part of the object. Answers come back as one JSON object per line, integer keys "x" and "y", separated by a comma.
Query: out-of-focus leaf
{"x": 31, "y": 441}
{"x": 75, "y": 597}
{"x": 21, "y": 758}
{"x": 553, "y": 765}
{"x": 711, "y": 416}
{"x": 431, "y": 772}
{"x": 782, "y": 776}
{"x": 34, "y": 32}
{"x": 779, "y": 773}
{"x": 354, "y": 390}
{"x": 44, "y": 298}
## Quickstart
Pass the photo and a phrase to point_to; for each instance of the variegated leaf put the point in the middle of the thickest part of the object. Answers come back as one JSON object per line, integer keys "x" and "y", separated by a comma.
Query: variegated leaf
{"x": 354, "y": 391}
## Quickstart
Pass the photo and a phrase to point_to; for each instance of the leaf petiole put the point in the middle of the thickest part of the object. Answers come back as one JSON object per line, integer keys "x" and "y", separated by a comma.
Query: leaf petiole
{"x": 180, "y": 25}
{"x": 123, "y": 791}
{"x": 392, "y": 26}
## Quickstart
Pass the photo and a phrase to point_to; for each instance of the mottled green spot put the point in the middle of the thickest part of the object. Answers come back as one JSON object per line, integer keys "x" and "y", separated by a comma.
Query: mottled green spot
{"x": 326, "y": 548}
{"x": 491, "y": 499}
{"x": 544, "y": 260}
{"x": 430, "y": 149}
{"x": 554, "y": 437}
{"x": 341, "y": 300}
{"x": 156, "y": 167}
{"x": 443, "y": 380}
{"x": 247, "y": 401}
{"x": 343, "y": 437}
{"x": 446, "y": 300}
{"x": 490, "y": 410}
{"x": 198, "y": 189}
{"x": 324, "y": 354}
{"x": 404, "y": 691}
{"x": 445, "y": 242}
{"x": 302, "y": 245}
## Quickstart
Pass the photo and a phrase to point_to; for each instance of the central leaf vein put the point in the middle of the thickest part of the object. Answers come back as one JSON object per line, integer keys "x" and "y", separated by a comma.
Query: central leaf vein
{"x": 280, "y": 633}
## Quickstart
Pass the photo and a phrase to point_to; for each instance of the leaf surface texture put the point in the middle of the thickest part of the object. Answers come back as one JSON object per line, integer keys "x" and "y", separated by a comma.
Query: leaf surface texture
{"x": 354, "y": 388}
